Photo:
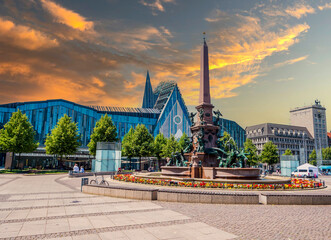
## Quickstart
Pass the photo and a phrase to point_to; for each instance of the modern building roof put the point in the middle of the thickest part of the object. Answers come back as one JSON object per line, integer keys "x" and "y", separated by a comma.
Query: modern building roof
{"x": 163, "y": 91}
{"x": 274, "y": 129}
{"x": 317, "y": 105}
{"x": 124, "y": 109}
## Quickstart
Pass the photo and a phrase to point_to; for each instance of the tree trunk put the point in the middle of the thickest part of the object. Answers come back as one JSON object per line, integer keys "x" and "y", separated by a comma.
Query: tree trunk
{"x": 159, "y": 163}
{"x": 61, "y": 161}
{"x": 19, "y": 160}
{"x": 12, "y": 160}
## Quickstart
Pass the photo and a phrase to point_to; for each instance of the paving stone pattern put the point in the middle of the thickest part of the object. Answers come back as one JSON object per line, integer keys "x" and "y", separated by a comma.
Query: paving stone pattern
{"x": 262, "y": 221}
{"x": 52, "y": 207}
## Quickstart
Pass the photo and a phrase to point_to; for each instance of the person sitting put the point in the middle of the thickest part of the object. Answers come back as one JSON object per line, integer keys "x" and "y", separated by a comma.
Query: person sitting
{"x": 81, "y": 169}
{"x": 76, "y": 169}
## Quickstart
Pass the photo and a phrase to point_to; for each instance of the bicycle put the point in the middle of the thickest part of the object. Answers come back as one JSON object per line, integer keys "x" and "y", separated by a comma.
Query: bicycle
{"x": 96, "y": 181}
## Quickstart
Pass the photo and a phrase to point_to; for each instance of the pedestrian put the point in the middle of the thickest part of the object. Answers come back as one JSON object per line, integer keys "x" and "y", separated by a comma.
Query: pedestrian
{"x": 76, "y": 168}
{"x": 81, "y": 169}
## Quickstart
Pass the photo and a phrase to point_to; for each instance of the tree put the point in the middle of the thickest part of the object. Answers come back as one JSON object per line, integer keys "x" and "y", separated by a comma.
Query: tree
{"x": 159, "y": 144}
{"x": 313, "y": 156}
{"x": 104, "y": 131}
{"x": 228, "y": 141}
{"x": 269, "y": 153}
{"x": 127, "y": 146}
{"x": 250, "y": 148}
{"x": 183, "y": 140}
{"x": 171, "y": 147}
{"x": 142, "y": 142}
{"x": 64, "y": 138}
{"x": 17, "y": 136}
{"x": 326, "y": 153}
{"x": 288, "y": 152}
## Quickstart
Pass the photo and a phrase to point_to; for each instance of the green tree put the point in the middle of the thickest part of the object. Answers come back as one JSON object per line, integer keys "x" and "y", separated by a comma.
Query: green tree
{"x": 142, "y": 142}
{"x": 17, "y": 136}
{"x": 171, "y": 147}
{"x": 326, "y": 153}
{"x": 288, "y": 152}
{"x": 159, "y": 143}
{"x": 250, "y": 148}
{"x": 64, "y": 138}
{"x": 127, "y": 146}
{"x": 104, "y": 131}
{"x": 269, "y": 153}
{"x": 228, "y": 141}
{"x": 313, "y": 156}
{"x": 183, "y": 140}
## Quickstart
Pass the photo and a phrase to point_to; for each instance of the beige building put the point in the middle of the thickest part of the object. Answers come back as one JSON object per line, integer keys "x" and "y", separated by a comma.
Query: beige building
{"x": 283, "y": 136}
{"x": 314, "y": 119}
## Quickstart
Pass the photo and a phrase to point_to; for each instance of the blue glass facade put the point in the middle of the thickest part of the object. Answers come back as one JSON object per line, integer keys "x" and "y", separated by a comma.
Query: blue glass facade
{"x": 168, "y": 115}
{"x": 235, "y": 131}
{"x": 44, "y": 115}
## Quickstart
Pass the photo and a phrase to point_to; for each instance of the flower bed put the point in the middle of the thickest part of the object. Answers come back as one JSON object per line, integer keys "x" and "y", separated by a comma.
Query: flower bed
{"x": 295, "y": 183}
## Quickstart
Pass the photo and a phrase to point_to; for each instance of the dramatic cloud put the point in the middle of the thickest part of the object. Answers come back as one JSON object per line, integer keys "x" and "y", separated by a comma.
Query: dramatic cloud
{"x": 67, "y": 17}
{"x": 156, "y": 5}
{"x": 299, "y": 10}
{"x": 108, "y": 67}
{"x": 245, "y": 44}
{"x": 291, "y": 61}
{"x": 326, "y": 6}
{"x": 24, "y": 37}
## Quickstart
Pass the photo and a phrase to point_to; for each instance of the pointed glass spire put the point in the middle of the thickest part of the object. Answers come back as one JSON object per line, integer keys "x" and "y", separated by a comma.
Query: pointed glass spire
{"x": 148, "y": 101}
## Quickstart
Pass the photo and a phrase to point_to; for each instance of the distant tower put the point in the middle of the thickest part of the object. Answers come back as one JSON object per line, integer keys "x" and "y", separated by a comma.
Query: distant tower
{"x": 312, "y": 117}
{"x": 148, "y": 101}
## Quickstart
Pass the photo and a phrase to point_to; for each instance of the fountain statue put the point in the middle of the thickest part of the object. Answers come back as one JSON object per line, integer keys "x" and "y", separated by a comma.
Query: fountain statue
{"x": 206, "y": 155}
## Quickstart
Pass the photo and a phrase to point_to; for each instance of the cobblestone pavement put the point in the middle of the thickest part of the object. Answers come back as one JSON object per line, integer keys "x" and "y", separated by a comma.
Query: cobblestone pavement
{"x": 261, "y": 221}
{"x": 52, "y": 207}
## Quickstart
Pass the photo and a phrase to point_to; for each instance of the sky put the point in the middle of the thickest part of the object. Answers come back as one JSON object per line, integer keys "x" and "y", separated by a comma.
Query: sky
{"x": 266, "y": 57}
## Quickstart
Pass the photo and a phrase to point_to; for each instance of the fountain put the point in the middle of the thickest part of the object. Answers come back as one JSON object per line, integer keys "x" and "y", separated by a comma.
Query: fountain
{"x": 204, "y": 156}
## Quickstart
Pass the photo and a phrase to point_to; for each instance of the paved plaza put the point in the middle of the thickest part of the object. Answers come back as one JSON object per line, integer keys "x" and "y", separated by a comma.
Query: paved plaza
{"x": 49, "y": 207}
{"x": 52, "y": 206}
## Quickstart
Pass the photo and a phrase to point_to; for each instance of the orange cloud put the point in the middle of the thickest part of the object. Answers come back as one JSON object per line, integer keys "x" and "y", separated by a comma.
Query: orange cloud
{"x": 14, "y": 69}
{"x": 24, "y": 37}
{"x": 67, "y": 17}
{"x": 239, "y": 61}
{"x": 326, "y": 6}
{"x": 291, "y": 61}
{"x": 299, "y": 10}
{"x": 156, "y": 5}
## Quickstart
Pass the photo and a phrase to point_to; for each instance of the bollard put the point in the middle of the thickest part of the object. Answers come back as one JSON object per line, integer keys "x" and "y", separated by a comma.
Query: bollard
{"x": 84, "y": 182}
{"x": 323, "y": 183}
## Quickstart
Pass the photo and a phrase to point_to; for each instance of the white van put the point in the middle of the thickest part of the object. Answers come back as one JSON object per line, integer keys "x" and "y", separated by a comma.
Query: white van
{"x": 305, "y": 170}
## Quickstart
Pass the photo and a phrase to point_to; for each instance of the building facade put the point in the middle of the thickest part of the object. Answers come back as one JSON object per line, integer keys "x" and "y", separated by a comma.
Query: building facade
{"x": 297, "y": 139}
{"x": 234, "y": 129}
{"x": 163, "y": 111}
{"x": 314, "y": 119}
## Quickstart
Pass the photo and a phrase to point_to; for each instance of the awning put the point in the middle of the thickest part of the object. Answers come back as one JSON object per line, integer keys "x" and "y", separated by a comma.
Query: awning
{"x": 325, "y": 167}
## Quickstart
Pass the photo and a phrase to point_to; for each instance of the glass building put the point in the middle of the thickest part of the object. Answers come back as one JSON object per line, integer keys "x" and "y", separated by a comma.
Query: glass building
{"x": 235, "y": 131}
{"x": 163, "y": 110}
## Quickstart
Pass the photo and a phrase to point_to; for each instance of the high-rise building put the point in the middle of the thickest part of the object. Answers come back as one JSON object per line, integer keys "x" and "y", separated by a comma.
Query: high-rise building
{"x": 312, "y": 117}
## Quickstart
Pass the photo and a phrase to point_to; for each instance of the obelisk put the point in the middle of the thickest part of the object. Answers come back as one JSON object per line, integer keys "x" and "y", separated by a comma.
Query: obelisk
{"x": 204, "y": 98}
{"x": 204, "y": 132}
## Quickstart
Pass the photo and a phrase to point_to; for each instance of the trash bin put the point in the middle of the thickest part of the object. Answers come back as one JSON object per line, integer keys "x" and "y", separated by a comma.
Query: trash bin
{"x": 84, "y": 182}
